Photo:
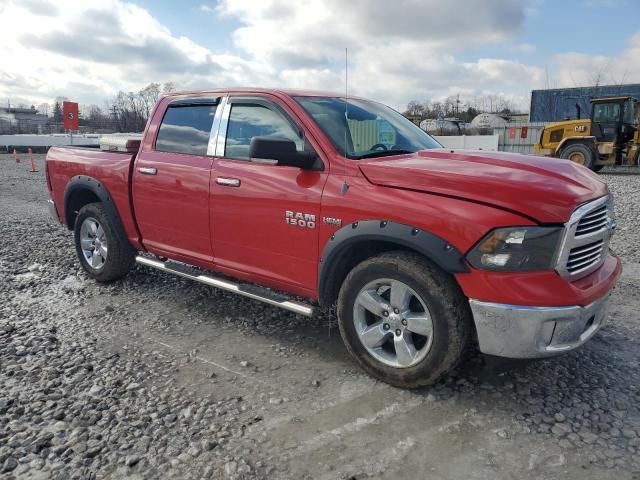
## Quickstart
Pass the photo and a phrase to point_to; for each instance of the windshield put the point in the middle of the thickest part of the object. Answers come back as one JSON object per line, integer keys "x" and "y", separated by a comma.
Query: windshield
{"x": 606, "y": 112}
{"x": 363, "y": 129}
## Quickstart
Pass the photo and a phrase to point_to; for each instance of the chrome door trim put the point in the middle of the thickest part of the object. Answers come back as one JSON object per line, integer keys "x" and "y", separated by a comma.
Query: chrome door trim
{"x": 215, "y": 126}
{"x": 221, "y": 132}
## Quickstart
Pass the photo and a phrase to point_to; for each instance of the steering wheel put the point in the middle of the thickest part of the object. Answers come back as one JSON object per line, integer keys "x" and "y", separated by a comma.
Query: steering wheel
{"x": 379, "y": 146}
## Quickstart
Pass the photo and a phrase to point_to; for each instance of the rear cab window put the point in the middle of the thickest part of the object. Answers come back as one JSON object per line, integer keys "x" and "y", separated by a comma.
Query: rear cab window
{"x": 186, "y": 127}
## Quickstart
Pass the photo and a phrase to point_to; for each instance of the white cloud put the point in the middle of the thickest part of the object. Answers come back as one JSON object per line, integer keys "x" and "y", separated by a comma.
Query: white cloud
{"x": 398, "y": 51}
{"x": 579, "y": 69}
{"x": 89, "y": 50}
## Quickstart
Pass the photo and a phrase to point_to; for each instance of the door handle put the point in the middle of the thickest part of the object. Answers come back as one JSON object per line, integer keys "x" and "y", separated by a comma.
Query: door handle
{"x": 228, "y": 182}
{"x": 147, "y": 171}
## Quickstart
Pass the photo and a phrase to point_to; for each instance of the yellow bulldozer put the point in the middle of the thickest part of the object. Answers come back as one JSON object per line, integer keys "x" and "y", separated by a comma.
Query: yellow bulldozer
{"x": 609, "y": 137}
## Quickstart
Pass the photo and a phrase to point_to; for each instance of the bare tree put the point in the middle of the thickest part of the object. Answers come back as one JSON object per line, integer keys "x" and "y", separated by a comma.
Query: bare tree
{"x": 44, "y": 108}
{"x": 149, "y": 95}
{"x": 415, "y": 108}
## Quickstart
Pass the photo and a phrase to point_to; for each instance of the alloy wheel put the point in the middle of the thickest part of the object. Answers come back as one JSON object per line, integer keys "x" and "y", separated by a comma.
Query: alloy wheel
{"x": 93, "y": 242}
{"x": 393, "y": 323}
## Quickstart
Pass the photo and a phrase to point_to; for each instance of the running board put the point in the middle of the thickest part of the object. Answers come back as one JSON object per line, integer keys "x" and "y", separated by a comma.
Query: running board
{"x": 251, "y": 291}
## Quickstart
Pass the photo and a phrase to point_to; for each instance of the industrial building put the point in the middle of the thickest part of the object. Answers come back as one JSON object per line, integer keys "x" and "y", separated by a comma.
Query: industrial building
{"x": 558, "y": 104}
{"x": 21, "y": 120}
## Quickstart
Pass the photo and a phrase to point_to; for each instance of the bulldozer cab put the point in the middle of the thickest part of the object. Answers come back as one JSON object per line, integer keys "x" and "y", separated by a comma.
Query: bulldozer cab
{"x": 613, "y": 119}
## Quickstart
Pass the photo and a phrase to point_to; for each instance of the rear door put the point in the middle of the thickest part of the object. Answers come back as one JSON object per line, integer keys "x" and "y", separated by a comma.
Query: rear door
{"x": 171, "y": 181}
{"x": 266, "y": 216}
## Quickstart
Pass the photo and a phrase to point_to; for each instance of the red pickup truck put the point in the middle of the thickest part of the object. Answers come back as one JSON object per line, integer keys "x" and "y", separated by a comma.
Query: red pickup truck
{"x": 305, "y": 200}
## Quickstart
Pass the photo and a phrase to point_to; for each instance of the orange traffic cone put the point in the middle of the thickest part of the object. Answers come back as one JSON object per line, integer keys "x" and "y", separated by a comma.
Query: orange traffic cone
{"x": 33, "y": 163}
{"x": 15, "y": 156}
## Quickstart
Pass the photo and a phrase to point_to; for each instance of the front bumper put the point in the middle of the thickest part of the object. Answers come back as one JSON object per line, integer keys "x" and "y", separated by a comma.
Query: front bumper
{"x": 516, "y": 331}
{"x": 545, "y": 152}
{"x": 52, "y": 210}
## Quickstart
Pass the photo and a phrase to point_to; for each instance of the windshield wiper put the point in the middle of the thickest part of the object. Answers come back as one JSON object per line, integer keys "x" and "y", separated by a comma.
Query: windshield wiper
{"x": 380, "y": 153}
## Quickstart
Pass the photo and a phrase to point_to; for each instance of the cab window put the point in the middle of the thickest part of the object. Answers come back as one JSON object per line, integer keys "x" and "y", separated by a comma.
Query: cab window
{"x": 186, "y": 129}
{"x": 248, "y": 120}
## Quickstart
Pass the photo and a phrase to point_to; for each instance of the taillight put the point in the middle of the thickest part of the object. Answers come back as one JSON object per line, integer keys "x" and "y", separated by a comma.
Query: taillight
{"x": 46, "y": 175}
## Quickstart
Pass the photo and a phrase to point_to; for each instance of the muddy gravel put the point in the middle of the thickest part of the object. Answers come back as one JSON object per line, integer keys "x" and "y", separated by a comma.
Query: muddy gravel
{"x": 157, "y": 377}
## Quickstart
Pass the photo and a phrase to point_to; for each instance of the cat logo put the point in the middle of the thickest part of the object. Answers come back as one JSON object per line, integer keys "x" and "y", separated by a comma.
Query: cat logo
{"x": 580, "y": 128}
{"x": 299, "y": 219}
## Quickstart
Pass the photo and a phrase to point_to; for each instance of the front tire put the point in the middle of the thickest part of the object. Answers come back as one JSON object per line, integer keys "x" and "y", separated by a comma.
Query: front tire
{"x": 404, "y": 320}
{"x": 102, "y": 247}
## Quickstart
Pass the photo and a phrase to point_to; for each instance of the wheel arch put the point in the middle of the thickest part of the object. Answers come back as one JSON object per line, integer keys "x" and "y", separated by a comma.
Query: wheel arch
{"x": 360, "y": 240}
{"x": 82, "y": 190}
{"x": 589, "y": 141}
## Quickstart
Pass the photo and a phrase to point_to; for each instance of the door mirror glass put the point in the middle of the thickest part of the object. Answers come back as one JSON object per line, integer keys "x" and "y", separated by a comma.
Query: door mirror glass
{"x": 281, "y": 151}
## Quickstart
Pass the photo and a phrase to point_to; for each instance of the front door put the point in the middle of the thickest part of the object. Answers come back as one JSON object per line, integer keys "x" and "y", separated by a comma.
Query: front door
{"x": 607, "y": 118}
{"x": 171, "y": 183}
{"x": 266, "y": 215}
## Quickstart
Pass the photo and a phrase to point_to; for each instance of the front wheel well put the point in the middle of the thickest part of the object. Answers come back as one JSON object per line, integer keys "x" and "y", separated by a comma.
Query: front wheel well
{"x": 348, "y": 258}
{"x": 587, "y": 142}
{"x": 360, "y": 240}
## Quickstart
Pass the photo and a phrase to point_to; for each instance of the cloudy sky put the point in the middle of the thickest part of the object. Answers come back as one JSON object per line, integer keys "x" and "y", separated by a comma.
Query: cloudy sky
{"x": 399, "y": 49}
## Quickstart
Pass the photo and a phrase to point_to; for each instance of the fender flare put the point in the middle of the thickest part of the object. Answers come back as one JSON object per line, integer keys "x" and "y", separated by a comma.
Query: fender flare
{"x": 435, "y": 248}
{"x": 85, "y": 183}
{"x": 585, "y": 139}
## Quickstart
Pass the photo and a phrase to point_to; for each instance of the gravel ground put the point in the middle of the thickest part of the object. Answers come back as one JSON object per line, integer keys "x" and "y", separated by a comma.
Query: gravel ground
{"x": 157, "y": 377}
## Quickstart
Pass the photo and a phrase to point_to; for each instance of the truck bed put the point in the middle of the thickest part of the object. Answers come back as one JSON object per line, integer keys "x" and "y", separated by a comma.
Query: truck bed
{"x": 109, "y": 168}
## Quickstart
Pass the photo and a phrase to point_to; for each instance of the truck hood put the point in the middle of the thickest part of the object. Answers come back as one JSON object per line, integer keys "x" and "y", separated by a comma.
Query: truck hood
{"x": 544, "y": 189}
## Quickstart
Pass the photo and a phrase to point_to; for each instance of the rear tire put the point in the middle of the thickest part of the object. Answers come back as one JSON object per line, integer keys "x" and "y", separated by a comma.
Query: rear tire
{"x": 421, "y": 325}
{"x": 580, "y": 154}
{"x": 102, "y": 247}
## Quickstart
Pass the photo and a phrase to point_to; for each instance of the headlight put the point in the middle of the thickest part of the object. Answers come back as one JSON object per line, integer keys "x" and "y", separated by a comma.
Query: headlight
{"x": 517, "y": 249}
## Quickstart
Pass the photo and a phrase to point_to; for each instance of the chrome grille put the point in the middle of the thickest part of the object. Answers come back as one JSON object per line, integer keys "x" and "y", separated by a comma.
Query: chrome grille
{"x": 582, "y": 257}
{"x": 593, "y": 221}
{"x": 586, "y": 238}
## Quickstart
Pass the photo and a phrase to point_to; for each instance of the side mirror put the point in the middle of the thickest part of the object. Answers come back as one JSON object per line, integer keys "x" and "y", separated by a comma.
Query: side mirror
{"x": 282, "y": 150}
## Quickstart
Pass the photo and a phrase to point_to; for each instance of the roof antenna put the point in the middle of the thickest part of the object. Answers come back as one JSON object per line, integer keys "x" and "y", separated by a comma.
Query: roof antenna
{"x": 345, "y": 185}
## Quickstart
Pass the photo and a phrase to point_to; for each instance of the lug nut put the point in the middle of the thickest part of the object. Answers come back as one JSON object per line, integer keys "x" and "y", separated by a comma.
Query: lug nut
{"x": 385, "y": 313}
{"x": 398, "y": 332}
{"x": 386, "y": 326}
{"x": 404, "y": 322}
{"x": 395, "y": 310}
